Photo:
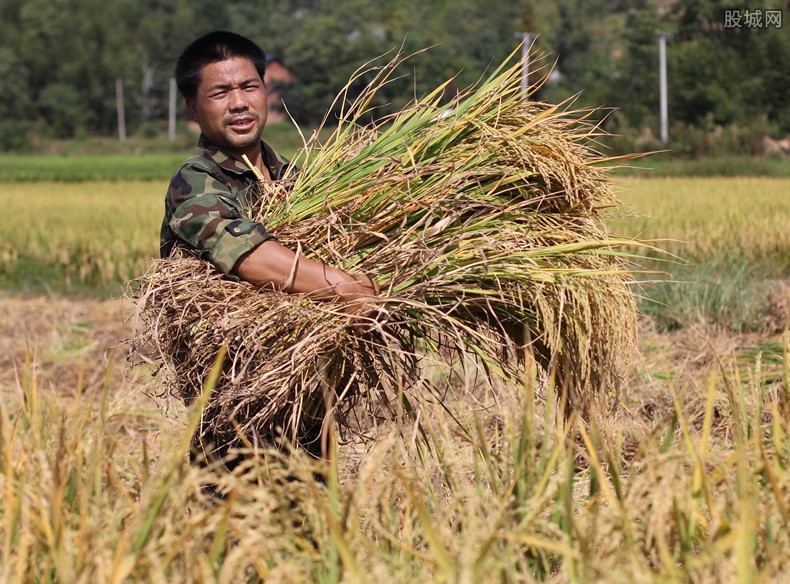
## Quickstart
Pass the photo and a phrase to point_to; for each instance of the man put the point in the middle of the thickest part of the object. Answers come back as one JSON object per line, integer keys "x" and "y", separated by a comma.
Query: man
{"x": 220, "y": 77}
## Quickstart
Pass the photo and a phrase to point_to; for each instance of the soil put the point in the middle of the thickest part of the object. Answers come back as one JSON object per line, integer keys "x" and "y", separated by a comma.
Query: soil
{"x": 67, "y": 346}
{"x": 64, "y": 345}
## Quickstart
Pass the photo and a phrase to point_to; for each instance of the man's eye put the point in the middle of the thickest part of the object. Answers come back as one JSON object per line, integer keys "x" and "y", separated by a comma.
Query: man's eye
{"x": 217, "y": 94}
{"x": 252, "y": 87}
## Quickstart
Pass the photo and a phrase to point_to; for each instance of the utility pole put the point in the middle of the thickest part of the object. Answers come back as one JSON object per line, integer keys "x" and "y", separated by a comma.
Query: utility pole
{"x": 119, "y": 107}
{"x": 171, "y": 118}
{"x": 526, "y": 43}
{"x": 662, "y": 76}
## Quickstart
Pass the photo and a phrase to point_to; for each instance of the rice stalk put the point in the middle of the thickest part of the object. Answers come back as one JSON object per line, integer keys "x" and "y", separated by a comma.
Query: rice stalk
{"x": 483, "y": 228}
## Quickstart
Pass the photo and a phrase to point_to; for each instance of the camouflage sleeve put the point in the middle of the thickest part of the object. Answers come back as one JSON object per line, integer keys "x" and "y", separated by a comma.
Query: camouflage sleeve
{"x": 207, "y": 217}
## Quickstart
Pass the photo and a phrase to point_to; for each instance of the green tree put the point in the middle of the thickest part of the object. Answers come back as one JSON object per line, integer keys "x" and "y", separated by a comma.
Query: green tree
{"x": 16, "y": 104}
{"x": 59, "y": 58}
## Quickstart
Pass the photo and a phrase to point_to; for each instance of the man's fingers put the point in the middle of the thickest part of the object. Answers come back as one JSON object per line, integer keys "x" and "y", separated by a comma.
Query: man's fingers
{"x": 365, "y": 315}
{"x": 374, "y": 285}
{"x": 368, "y": 282}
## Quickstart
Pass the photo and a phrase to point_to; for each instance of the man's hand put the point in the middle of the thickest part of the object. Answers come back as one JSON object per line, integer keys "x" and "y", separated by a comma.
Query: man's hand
{"x": 357, "y": 287}
{"x": 361, "y": 300}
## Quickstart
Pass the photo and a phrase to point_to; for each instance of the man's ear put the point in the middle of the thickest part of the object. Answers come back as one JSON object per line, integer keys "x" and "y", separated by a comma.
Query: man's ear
{"x": 190, "y": 103}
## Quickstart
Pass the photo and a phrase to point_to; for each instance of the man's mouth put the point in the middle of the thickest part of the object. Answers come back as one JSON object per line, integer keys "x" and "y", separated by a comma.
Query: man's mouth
{"x": 242, "y": 124}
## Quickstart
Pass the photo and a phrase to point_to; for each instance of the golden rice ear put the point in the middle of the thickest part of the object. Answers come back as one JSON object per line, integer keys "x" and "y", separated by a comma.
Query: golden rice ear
{"x": 484, "y": 230}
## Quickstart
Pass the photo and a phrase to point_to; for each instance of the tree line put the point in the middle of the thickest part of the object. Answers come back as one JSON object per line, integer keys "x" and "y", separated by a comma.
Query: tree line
{"x": 59, "y": 59}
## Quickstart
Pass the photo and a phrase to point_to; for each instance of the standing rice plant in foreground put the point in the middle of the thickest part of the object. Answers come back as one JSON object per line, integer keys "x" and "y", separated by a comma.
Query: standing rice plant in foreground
{"x": 96, "y": 487}
{"x": 481, "y": 220}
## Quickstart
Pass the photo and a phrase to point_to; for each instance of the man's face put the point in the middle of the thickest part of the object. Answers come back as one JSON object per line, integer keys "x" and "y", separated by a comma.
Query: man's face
{"x": 230, "y": 105}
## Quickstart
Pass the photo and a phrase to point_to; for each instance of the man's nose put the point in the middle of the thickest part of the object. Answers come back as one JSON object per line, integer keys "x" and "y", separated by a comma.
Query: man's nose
{"x": 237, "y": 100}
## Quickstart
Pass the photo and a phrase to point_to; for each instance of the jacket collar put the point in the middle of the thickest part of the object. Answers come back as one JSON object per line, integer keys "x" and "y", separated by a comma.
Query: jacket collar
{"x": 278, "y": 166}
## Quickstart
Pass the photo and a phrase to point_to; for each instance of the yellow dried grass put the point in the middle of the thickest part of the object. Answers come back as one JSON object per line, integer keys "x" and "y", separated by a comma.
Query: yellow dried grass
{"x": 482, "y": 227}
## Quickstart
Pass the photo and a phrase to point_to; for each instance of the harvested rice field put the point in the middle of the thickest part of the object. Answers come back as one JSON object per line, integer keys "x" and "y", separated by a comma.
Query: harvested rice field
{"x": 507, "y": 416}
{"x": 685, "y": 478}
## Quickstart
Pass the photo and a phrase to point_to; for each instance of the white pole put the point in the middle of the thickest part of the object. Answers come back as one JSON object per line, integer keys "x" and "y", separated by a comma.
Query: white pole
{"x": 526, "y": 42}
{"x": 171, "y": 118}
{"x": 662, "y": 74}
{"x": 119, "y": 107}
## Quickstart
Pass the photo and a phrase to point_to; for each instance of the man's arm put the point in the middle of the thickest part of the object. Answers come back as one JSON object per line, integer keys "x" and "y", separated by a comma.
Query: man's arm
{"x": 214, "y": 225}
{"x": 272, "y": 264}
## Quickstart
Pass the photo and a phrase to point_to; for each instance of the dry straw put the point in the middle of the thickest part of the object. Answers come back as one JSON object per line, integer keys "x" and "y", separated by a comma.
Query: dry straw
{"x": 480, "y": 220}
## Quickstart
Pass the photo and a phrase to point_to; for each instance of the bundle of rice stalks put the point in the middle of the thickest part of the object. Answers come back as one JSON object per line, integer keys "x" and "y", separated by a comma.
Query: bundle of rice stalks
{"x": 480, "y": 220}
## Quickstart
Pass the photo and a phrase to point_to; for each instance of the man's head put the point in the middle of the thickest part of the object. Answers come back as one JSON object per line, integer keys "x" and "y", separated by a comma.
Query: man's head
{"x": 220, "y": 76}
{"x": 216, "y": 46}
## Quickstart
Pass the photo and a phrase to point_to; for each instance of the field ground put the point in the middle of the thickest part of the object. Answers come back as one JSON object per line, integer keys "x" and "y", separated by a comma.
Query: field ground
{"x": 68, "y": 385}
{"x": 82, "y": 343}
{"x": 687, "y": 479}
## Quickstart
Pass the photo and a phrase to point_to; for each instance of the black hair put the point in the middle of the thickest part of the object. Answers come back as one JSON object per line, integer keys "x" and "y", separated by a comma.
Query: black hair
{"x": 215, "y": 46}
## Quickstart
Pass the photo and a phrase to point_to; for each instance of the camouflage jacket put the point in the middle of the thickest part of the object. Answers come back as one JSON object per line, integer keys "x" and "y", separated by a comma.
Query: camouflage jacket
{"x": 208, "y": 203}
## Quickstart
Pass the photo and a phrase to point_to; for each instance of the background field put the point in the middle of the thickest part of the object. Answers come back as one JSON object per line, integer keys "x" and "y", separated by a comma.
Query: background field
{"x": 729, "y": 262}
{"x": 730, "y": 249}
{"x": 686, "y": 479}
